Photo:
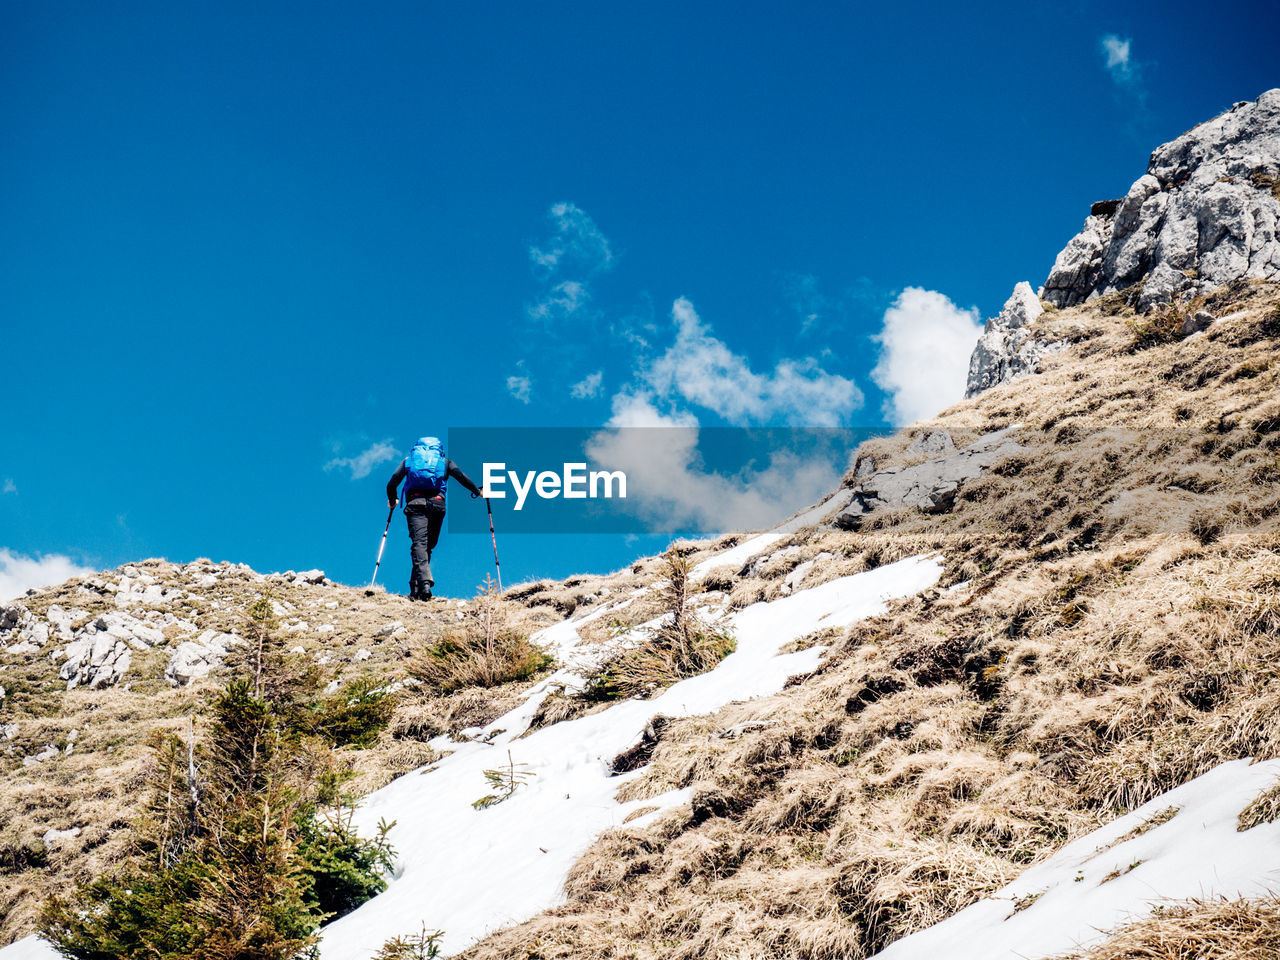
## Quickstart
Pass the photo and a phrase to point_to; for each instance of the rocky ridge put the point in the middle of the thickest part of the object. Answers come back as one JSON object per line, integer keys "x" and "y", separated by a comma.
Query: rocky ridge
{"x": 132, "y": 611}
{"x": 1206, "y": 212}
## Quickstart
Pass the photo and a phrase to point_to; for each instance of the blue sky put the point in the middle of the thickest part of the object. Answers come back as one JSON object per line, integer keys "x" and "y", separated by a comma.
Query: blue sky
{"x": 241, "y": 243}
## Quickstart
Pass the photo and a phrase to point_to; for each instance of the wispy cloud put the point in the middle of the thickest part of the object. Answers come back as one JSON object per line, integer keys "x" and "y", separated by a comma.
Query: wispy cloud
{"x": 589, "y": 386}
{"x": 1124, "y": 68}
{"x": 925, "y": 343}
{"x": 520, "y": 386}
{"x": 20, "y": 573}
{"x": 1116, "y": 50}
{"x": 701, "y": 369}
{"x": 9, "y": 486}
{"x": 560, "y": 302}
{"x": 809, "y": 303}
{"x": 362, "y": 464}
{"x": 575, "y": 243}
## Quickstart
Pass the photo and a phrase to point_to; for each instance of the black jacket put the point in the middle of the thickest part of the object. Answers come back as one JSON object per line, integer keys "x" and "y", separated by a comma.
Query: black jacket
{"x": 451, "y": 470}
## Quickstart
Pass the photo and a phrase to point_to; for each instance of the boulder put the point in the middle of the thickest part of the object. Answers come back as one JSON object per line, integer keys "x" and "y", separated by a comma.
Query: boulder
{"x": 193, "y": 659}
{"x": 1207, "y": 211}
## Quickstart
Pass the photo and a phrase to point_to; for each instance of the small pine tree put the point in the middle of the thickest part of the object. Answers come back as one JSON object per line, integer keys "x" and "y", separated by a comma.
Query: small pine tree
{"x": 504, "y": 781}
{"x": 419, "y": 946}
{"x": 242, "y": 849}
{"x": 682, "y": 645}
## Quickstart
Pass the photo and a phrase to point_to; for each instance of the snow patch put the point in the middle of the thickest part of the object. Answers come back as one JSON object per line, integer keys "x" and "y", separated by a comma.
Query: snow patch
{"x": 1097, "y": 883}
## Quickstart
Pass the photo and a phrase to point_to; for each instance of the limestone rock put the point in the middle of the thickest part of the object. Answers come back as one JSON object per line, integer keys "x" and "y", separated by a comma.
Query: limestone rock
{"x": 931, "y": 485}
{"x": 194, "y": 659}
{"x": 933, "y": 442}
{"x": 1006, "y": 349}
{"x": 96, "y": 659}
{"x": 1207, "y": 211}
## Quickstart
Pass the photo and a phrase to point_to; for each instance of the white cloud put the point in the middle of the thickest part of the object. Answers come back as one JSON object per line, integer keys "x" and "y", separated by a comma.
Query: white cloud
{"x": 1120, "y": 63}
{"x": 679, "y": 493}
{"x": 19, "y": 573}
{"x": 589, "y": 386}
{"x": 575, "y": 240}
{"x": 1117, "y": 52}
{"x": 362, "y": 464}
{"x": 701, "y": 369}
{"x": 561, "y": 301}
{"x": 925, "y": 344}
{"x": 9, "y": 486}
{"x": 520, "y": 387}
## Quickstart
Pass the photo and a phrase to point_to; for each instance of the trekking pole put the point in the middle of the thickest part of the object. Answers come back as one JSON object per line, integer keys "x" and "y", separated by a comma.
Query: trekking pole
{"x": 382, "y": 546}
{"x": 494, "y": 537}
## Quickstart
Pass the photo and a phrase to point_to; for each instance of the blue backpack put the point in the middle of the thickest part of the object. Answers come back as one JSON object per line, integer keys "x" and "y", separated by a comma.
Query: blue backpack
{"x": 426, "y": 468}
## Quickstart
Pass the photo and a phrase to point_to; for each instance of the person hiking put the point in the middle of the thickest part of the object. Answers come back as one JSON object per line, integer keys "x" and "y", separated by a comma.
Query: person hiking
{"x": 425, "y": 472}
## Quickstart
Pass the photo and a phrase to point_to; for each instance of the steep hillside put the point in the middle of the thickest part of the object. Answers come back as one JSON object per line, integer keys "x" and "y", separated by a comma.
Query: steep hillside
{"x": 1028, "y": 740}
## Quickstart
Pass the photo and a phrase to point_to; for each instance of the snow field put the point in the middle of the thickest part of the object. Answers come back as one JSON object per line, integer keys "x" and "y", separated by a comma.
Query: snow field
{"x": 471, "y": 872}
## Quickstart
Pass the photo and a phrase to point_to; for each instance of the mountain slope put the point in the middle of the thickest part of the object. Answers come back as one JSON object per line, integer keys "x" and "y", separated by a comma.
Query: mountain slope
{"x": 1099, "y": 627}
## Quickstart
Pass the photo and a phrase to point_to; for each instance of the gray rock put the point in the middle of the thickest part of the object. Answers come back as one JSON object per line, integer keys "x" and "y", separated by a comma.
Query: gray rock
{"x": 933, "y": 442}
{"x": 309, "y": 576}
{"x": 193, "y": 659}
{"x": 931, "y": 486}
{"x": 865, "y": 466}
{"x": 1204, "y": 213}
{"x": 96, "y": 659}
{"x": 1006, "y": 349}
{"x": 12, "y": 617}
{"x": 60, "y": 620}
{"x": 1201, "y": 320}
{"x": 48, "y": 753}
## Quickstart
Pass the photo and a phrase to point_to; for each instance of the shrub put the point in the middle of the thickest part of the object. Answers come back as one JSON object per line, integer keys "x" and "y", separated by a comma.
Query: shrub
{"x": 682, "y": 646}
{"x": 355, "y": 715}
{"x": 1164, "y": 326}
{"x": 342, "y": 869}
{"x": 488, "y": 649}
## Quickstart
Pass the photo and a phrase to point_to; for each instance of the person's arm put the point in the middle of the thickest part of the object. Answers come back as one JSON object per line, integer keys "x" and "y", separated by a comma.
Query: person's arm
{"x": 394, "y": 483}
{"x": 463, "y": 479}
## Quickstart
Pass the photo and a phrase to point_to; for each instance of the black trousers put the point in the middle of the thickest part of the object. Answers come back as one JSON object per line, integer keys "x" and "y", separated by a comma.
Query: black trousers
{"x": 425, "y": 517}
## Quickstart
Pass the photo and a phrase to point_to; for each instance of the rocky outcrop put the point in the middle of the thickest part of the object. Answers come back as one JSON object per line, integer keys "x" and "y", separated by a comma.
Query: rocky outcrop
{"x": 931, "y": 485}
{"x": 95, "y": 660}
{"x": 99, "y": 653}
{"x": 1007, "y": 349}
{"x": 196, "y": 658}
{"x": 1207, "y": 211}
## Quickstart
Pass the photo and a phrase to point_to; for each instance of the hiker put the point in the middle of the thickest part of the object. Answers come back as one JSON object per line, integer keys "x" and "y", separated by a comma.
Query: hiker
{"x": 425, "y": 472}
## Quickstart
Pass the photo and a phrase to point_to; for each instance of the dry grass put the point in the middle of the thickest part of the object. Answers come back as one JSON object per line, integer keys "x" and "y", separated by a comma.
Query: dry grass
{"x": 1264, "y": 808}
{"x": 1113, "y": 635}
{"x": 490, "y": 647}
{"x": 1197, "y": 930}
{"x": 681, "y": 645}
{"x": 1112, "y": 632}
